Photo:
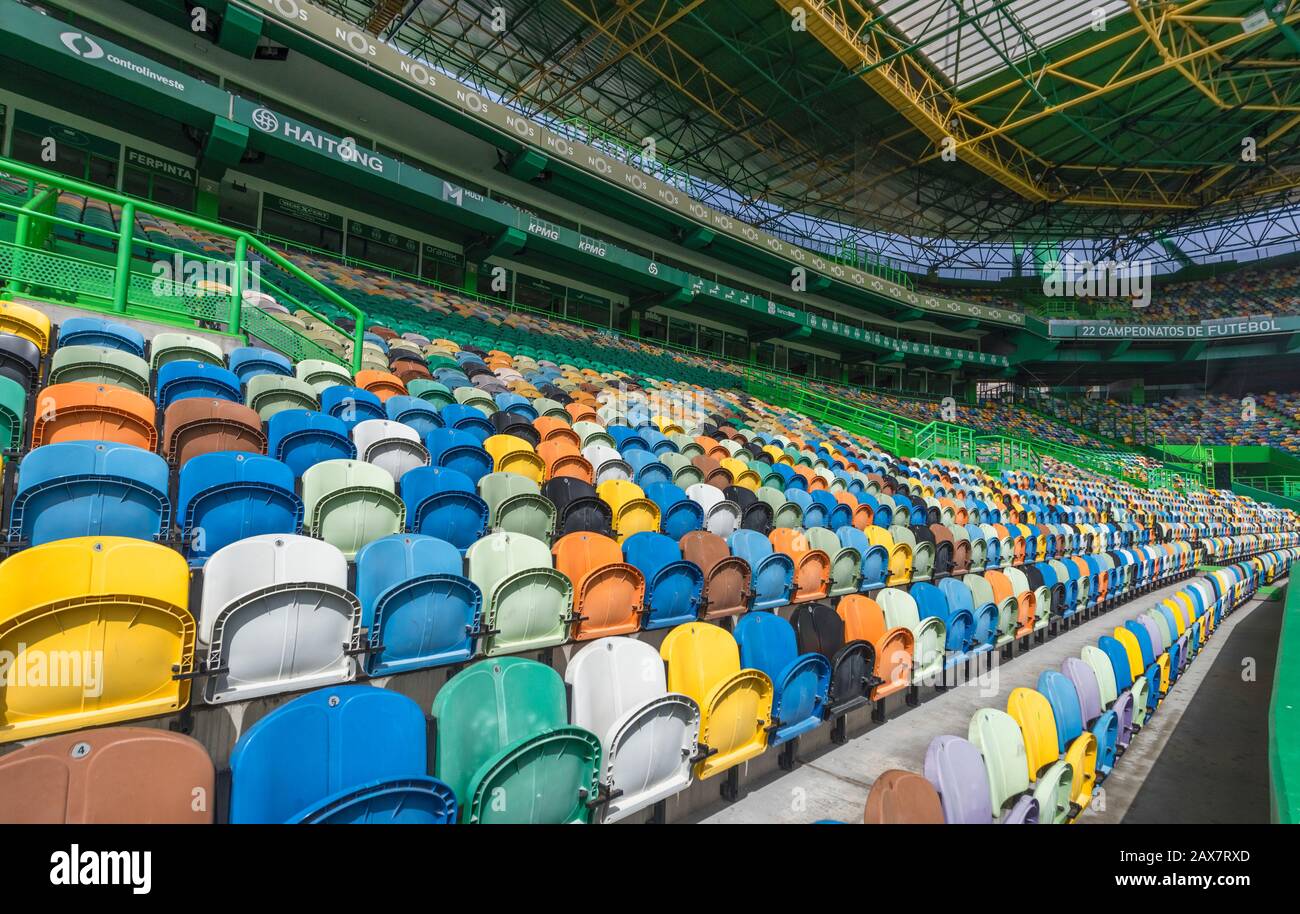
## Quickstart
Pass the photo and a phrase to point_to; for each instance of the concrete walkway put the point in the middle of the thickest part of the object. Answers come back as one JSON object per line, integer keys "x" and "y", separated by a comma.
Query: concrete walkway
{"x": 833, "y": 783}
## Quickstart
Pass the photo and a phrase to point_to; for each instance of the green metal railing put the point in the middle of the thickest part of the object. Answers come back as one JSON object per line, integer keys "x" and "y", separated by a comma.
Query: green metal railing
{"x": 28, "y": 267}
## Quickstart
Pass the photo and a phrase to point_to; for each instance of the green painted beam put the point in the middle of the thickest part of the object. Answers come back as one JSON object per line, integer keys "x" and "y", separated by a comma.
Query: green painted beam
{"x": 526, "y": 165}
{"x": 240, "y": 32}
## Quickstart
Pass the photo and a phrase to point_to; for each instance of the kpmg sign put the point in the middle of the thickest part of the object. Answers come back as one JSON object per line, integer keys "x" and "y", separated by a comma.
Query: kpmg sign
{"x": 1222, "y": 328}
{"x": 342, "y": 36}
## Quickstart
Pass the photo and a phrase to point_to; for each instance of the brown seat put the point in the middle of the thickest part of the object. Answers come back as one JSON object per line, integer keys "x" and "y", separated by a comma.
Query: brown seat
{"x": 812, "y": 567}
{"x": 726, "y": 576}
{"x": 409, "y": 371}
{"x": 714, "y": 473}
{"x": 902, "y": 798}
{"x": 201, "y": 426}
{"x": 119, "y": 775}
{"x": 82, "y": 411}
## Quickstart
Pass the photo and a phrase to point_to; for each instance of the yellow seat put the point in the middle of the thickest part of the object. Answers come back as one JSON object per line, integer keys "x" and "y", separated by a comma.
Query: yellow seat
{"x": 632, "y": 511}
{"x": 741, "y": 473}
{"x": 735, "y": 704}
{"x": 511, "y": 454}
{"x": 1032, "y": 711}
{"x": 1132, "y": 649}
{"x": 900, "y": 555}
{"x": 98, "y": 627}
{"x": 25, "y": 321}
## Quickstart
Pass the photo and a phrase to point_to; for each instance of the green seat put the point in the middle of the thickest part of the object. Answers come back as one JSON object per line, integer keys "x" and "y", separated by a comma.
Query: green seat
{"x": 687, "y": 446}
{"x": 545, "y": 406}
{"x": 472, "y": 396}
{"x": 321, "y": 374}
{"x": 13, "y": 407}
{"x": 846, "y": 561}
{"x": 929, "y": 635}
{"x": 506, "y": 749}
{"x": 100, "y": 365}
{"x": 998, "y": 738}
{"x": 685, "y": 473}
{"x": 784, "y": 513}
{"x": 178, "y": 347}
{"x": 593, "y": 433}
{"x": 430, "y": 392}
{"x": 268, "y": 394}
{"x": 516, "y": 505}
{"x": 349, "y": 503}
{"x": 527, "y": 604}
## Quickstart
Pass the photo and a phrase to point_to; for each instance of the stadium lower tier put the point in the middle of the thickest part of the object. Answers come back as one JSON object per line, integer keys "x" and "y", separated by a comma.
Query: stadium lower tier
{"x": 191, "y": 526}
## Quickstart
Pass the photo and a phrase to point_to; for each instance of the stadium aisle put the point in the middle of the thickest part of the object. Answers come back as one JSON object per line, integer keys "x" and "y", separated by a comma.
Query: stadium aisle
{"x": 1214, "y": 722}
{"x": 834, "y": 784}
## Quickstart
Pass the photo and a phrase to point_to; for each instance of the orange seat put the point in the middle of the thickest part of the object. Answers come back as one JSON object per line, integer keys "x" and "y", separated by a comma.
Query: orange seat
{"x": 549, "y": 427}
{"x": 198, "y": 425}
{"x": 711, "y": 447}
{"x": 1003, "y": 590}
{"x": 902, "y": 798}
{"x": 608, "y": 593}
{"x": 726, "y": 577}
{"x": 382, "y": 384}
{"x": 812, "y": 567}
{"x": 581, "y": 412}
{"x": 562, "y": 458}
{"x": 81, "y": 411}
{"x": 864, "y": 620}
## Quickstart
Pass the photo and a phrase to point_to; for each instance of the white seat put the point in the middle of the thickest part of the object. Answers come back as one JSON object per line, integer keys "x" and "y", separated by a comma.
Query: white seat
{"x": 649, "y": 735}
{"x": 721, "y": 516}
{"x": 277, "y": 617}
{"x": 394, "y": 446}
{"x": 607, "y": 462}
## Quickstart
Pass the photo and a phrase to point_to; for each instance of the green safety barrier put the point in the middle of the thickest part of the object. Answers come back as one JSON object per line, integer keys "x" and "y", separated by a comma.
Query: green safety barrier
{"x": 28, "y": 267}
{"x": 1284, "y": 718}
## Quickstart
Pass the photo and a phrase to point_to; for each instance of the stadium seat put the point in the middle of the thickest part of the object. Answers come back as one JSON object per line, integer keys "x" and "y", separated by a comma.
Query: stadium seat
{"x": 443, "y": 503}
{"x": 735, "y": 704}
{"x": 630, "y": 511}
{"x": 349, "y": 503}
{"x": 20, "y": 360}
{"x": 608, "y": 593}
{"x": 127, "y": 596}
{"x": 800, "y": 682}
{"x": 300, "y": 439}
{"x": 820, "y": 630}
{"x": 507, "y": 750}
{"x": 459, "y": 450}
{"x": 341, "y": 755}
{"x": 516, "y": 505}
{"x": 772, "y": 573}
{"x": 229, "y": 496}
{"x": 93, "y": 412}
{"x": 95, "y": 331}
{"x": 929, "y": 636}
{"x": 248, "y": 362}
{"x": 674, "y": 587}
{"x": 166, "y": 348}
{"x": 194, "y": 427}
{"x": 845, "y": 560}
{"x": 578, "y": 507}
{"x": 268, "y": 394}
{"x": 527, "y": 604}
{"x": 113, "y": 776}
{"x": 393, "y": 446}
{"x": 417, "y": 607}
{"x": 1042, "y": 736}
{"x": 956, "y": 770}
{"x": 727, "y": 578}
{"x": 277, "y": 616}
{"x": 184, "y": 379}
{"x": 649, "y": 736}
{"x": 321, "y": 374}
{"x": 99, "y": 365}
{"x": 902, "y": 798}
{"x": 350, "y": 405}
{"x": 89, "y": 488}
{"x": 1000, "y": 741}
{"x": 26, "y": 322}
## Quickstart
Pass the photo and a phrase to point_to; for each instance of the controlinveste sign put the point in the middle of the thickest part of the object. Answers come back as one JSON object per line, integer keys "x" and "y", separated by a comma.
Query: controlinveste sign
{"x": 347, "y": 39}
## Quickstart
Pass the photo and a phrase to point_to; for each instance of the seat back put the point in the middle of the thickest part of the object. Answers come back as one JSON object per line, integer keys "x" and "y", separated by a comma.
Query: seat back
{"x": 727, "y": 578}
{"x": 78, "y": 411}
{"x": 956, "y": 770}
{"x": 349, "y": 503}
{"x": 526, "y": 602}
{"x": 902, "y": 798}
{"x": 608, "y": 593}
{"x": 999, "y": 740}
{"x": 342, "y": 754}
{"x": 229, "y": 496}
{"x": 114, "y": 776}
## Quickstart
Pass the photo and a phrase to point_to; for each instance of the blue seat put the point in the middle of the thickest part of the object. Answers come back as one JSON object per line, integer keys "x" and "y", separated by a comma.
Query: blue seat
{"x": 351, "y": 405}
{"x": 1145, "y": 645}
{"x": 772, "y": 572}
{"x": 814, "y": 514}
{"x": 467, "y": 419}
{"x": 95, "y": 331}
{"x": 89, "y": 488}
{"x": 646, "y": 468}
{"x": 959, "y": 622}
{"x": 626, "y": 439}
{"x": 881, "y": 515}
{"x": 416, "y": 604}
{"x": 184, "y": 379}
{"x": 444, "y": 503}
{"x": 875, "y": 559}
{"x": 984, "y": 633}
{"x": 800, "y": 682}
{"x": 347, "y": 754}
{"x": 838, "y": 514}
{"x": 673, "y": 586}
{"x": 251, "y": 361}
{"x": 459, "y": 450}
{"x": 420, "y": 415}
{"x": 657, "y": 441}
{"x": 228, "y": 496}
{"x": 678, "y": 515}
{"x": 1118, "y": 657}
{"x": 1067, "y": 709}
{"x": 517, "y": 404}
{"x": 301, "y": 438}
{"x": 790, "y": 480}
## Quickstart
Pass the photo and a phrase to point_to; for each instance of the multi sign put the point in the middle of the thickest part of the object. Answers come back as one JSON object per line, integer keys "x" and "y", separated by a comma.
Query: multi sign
{"x": 345, "y": 38}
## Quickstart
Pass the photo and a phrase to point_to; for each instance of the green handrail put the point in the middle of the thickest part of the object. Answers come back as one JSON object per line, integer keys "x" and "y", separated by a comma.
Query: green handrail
{"x": 1284, "y": 717}
{"x": 126, "y": 242}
